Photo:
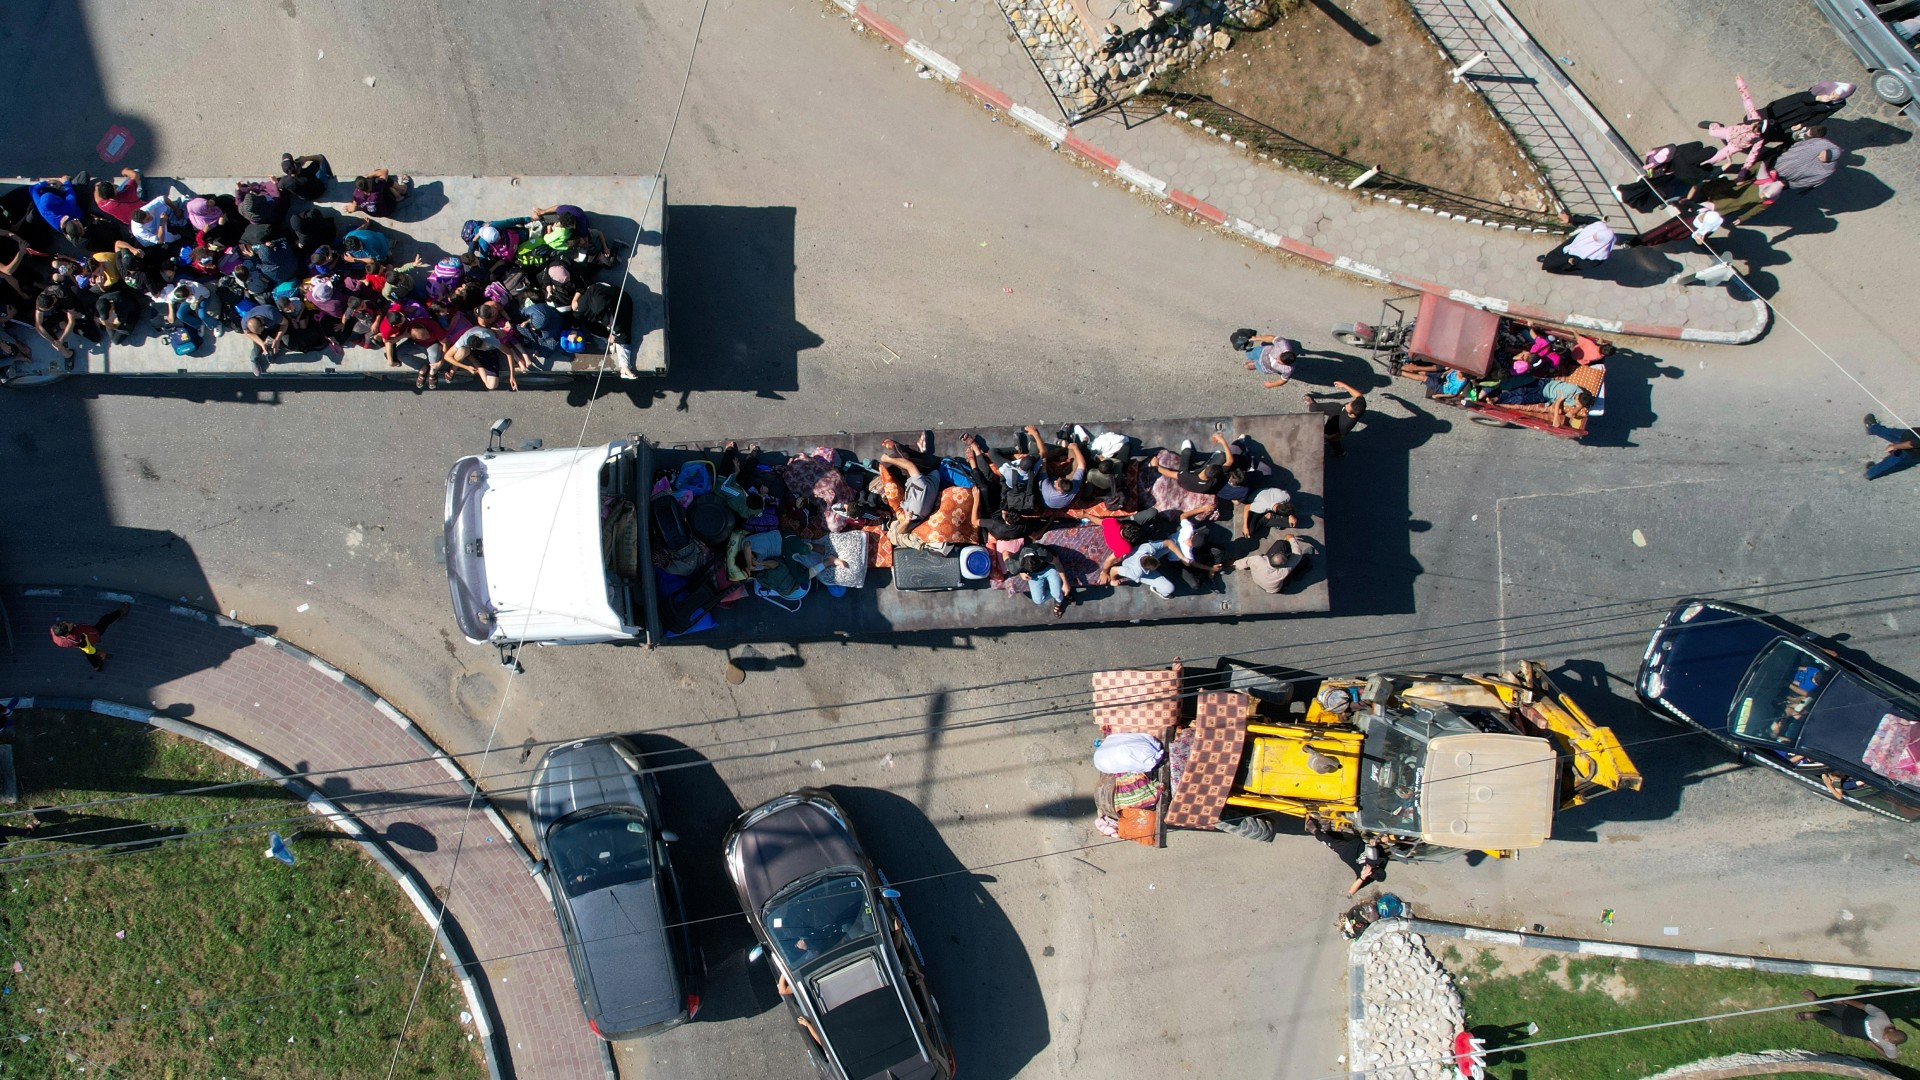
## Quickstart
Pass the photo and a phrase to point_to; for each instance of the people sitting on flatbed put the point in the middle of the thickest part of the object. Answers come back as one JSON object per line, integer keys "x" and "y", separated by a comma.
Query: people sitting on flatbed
{"x": 93, "y": 263}
{"x": 1076, "y": 518}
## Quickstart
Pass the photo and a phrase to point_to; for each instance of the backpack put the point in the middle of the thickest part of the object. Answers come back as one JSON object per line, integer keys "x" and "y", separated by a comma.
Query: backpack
{"x": 182, "y": 339}
{"x": 532, "y": 254}
{"x": 509, "y": 242}
{"x": 516, "y": 282}
{"x": 446, "y": 276}
{"x": 1021, "y": 499}
{"x": 369, "y": 202}
{"x": 956, "y": 473}
{"x": 1242, "y": 338}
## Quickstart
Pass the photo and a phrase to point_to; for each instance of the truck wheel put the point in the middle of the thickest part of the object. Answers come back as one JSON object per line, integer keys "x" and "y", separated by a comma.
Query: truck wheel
{"x": 1345, "y": 334}
{"x": 1247, "y": 828}
{"x": 1891, "y": 88}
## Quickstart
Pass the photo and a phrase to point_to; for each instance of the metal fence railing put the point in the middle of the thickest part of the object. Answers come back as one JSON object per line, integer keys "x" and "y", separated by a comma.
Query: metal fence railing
{"x": 1277, "y": 146}
{"x": 1064, "y": 59}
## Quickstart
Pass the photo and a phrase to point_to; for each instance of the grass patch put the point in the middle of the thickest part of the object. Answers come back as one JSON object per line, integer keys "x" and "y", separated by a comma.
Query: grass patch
{"x": 208, "y": 958}
{"x": 1505, "y": 989}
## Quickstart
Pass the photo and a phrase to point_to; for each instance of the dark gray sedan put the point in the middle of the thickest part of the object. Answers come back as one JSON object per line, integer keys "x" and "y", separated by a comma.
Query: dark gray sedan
{"x": 847, "y": 964}
{"x": 604, "y": 856}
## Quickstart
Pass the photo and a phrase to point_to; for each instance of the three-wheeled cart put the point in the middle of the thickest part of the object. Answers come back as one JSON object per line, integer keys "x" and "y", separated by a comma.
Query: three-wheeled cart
{"x": 1468, "y": 356}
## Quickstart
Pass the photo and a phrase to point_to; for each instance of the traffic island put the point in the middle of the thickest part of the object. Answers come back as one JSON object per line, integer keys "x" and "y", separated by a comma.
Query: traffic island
{"x": 263, "y": 701}
{"x": 123, "y": 957}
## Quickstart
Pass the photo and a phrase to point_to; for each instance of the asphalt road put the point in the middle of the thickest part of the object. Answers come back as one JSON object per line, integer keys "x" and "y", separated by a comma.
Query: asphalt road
{"x": 798, "y": 271}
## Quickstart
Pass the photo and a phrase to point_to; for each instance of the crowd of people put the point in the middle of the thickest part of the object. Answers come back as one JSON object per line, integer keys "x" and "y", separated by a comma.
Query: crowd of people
{"x": 1044, "y": 519}
{"x": 1774, "y": 150}
{"x": 95, "y": 261}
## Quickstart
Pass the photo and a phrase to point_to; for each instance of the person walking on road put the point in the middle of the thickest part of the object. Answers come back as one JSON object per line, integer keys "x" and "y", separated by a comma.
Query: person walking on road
{"x": 1268, "y": 355}
{"x": 1810, "y": 161}
{"x": 1341, "y": 415}
{"x": 1585, "y": 250}
{"x": 86, "y": 636}
{"x": 1856, "y": 1021}
{"x": 1903, "y": 447}
{"x": 1810, "y": 106}
{"x": 1697, "y": 221}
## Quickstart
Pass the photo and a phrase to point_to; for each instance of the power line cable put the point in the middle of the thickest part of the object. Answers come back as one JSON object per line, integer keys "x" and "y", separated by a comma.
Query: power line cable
{"x": 1428, "y": 634}
{"x": 1199, "y": 678}
{"x": 1074, "y": 704}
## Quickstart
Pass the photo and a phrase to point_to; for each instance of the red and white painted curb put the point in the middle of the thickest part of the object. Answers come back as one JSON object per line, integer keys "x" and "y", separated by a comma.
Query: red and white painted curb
{"x": 1060, "y": 135}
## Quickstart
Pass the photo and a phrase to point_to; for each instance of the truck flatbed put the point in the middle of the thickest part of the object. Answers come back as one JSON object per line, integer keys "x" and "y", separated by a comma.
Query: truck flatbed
{"x": 1295, "y": 444}
{"x": 630, "y": 210}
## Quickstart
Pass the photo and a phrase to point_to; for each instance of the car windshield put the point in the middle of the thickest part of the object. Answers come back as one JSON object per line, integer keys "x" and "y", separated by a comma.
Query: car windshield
{"x": 600, "y": 851}
{"x": 1779, "y": 691}
{"x": 820, "y": 918}
{"x": 1392, "y": 761}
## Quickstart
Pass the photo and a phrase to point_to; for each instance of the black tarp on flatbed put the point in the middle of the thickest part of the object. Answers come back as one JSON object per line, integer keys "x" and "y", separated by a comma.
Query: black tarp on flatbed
{"x": 1294, "y": 444}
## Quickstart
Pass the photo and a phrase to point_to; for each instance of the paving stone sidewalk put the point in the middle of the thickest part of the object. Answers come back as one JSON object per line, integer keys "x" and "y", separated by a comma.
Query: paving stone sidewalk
{"x": 968, "y": 41}
{"x": 239, "y": 683}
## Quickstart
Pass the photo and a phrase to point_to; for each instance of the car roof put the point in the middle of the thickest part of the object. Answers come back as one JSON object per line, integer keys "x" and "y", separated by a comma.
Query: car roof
{"x": 1846, "y": 717}
{"x": 633, "y": 978}
{"x": 580, "y": 775}
{"x": 869, "y": 1031}
{"x": 801, "y": 835}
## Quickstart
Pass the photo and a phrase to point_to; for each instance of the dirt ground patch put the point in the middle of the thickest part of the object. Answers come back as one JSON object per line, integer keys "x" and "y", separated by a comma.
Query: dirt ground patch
{"x": 1389, "y": 103}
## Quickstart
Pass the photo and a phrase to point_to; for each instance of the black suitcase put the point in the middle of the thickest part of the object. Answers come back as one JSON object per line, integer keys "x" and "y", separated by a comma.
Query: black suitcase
{"x": 915, "y": 570}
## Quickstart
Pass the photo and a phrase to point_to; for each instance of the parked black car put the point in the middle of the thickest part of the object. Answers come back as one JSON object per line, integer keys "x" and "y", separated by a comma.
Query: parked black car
{"x": 847, "y": 963}
{"x": 1766, "y": 689}
{"x": 604, "y": 856}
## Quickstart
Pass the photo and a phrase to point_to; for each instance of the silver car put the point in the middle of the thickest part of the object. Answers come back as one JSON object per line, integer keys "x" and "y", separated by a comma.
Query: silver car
{"x": 604, "y": 855}
{"x": 1867, "y": 28}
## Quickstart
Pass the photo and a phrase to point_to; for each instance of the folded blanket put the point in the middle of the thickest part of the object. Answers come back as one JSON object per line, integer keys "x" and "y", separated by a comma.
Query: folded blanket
{"x": 811, "y": 477}
{"x": 1078, "y": 550}
{"x": 1135, "y": 789}
{"x": 953, "y": 523}
{"x": 1165, "y": 494}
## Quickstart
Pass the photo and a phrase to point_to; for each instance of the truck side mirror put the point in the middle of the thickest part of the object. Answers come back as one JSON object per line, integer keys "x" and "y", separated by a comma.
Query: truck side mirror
{"x": 669, "y": 836}
{"x": 497, "y": 433}
{"x": 754, "y": 954}
{"x": 890, "y": 893}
